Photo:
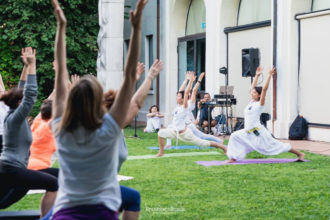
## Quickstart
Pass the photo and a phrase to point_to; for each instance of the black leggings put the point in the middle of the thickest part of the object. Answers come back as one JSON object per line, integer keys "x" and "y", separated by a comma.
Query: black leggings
{"x": 16, "y": 182}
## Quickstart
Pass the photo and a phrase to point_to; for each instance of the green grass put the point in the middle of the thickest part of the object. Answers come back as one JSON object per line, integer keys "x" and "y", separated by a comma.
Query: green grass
{"x": 178, "y": 188}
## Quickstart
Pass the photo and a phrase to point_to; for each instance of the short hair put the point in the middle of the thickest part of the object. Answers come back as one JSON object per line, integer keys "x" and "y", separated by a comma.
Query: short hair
{"x": 12, "y": 97}
{"x": 152, "y": 107}
{"x": 46, "y": 109}
{"x": 181, "y": 92}
{"x": 258, "y": 89}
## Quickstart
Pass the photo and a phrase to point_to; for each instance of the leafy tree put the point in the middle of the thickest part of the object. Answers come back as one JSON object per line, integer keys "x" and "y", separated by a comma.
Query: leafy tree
{"x": 32, "y": 23}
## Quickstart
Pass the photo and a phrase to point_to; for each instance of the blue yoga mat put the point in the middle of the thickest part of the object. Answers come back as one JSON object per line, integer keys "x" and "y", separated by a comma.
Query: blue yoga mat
{"x": 180, "y": 147}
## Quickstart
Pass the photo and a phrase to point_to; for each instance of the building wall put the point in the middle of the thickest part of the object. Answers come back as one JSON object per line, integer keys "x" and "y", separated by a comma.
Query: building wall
{"x": 257, "y": 38}
{"x": 149, "y": 27}
{"x": 223, "y": 13}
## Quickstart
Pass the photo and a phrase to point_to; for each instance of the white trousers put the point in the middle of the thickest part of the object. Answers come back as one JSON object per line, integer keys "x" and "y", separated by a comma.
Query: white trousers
{"x": 153, "y": 124}
{"x": 202, "y": 135}
{"x": 186, "y": 136}
{"x": 241, "y": 143}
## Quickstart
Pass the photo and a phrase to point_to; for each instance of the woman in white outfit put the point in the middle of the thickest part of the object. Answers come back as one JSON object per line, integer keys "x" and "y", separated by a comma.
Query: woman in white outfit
{"x": 178, "y": 129}
{"x": 153, "y": 119}
{"x": 254, "y": 136}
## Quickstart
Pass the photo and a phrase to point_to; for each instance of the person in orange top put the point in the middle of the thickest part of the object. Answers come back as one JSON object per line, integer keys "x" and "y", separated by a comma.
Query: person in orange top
{"x": 43, "y": 144}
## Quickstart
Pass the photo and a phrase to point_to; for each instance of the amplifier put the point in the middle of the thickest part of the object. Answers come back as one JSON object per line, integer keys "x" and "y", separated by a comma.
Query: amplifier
{"x": 223, "y": 96}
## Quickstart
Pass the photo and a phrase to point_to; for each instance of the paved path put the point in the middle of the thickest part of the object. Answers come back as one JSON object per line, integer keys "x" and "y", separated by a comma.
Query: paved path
{"x": 311, "y": 146}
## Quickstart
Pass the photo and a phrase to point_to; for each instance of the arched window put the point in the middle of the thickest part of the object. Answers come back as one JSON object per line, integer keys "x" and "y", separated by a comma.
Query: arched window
{"x": 320, "y": 5}
{"x": 196, "y": 17}
{"x": 251, "y": 11}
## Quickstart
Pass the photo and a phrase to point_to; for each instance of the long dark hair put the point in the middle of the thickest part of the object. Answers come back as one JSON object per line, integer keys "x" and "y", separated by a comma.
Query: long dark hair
{"x": 84, "y": 106}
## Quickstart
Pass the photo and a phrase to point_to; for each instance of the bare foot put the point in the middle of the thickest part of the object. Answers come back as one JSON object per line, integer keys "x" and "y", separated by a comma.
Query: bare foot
{"x": 301, "y": 157}
{"x": 159, "y": 155}
{"x": 231, "y": 161}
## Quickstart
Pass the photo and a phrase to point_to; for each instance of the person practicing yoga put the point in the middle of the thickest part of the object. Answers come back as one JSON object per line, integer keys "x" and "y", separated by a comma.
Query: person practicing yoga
{"x": 254, "y": 136}
{"x": 178, "y": 129}
{"x": 131, "y": 198}
{"x": 87, "y": 136}
{"x": 16, "y": 179}
{"x": 153, "y": 119}
{"x": 191, "y": 119}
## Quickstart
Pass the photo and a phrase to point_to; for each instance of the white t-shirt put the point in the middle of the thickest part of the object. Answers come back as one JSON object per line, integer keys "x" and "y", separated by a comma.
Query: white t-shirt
{"x": 88, "y": 166}
{"x": 252, "y": 114}
{"x": 179, "y": 118}
{"x": 3, "y": 112}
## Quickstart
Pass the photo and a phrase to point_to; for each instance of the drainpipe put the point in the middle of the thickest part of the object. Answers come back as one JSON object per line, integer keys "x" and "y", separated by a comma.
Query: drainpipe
{"x": 158, "y": 24}
{"x": 274, "y": 20}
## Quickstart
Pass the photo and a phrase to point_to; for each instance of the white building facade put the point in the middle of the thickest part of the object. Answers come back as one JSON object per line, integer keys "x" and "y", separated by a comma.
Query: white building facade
{"x": 205, "y": 35}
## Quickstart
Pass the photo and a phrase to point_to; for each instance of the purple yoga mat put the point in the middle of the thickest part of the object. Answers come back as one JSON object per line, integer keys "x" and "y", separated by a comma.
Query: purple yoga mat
{"x": 248, "y": 161}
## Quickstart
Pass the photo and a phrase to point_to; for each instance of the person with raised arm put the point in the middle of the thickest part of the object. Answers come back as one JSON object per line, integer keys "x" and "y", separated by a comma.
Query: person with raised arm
{"x": 131, "y": 199}
{"x": 16, "y": 179}
{"x": 87, "y": 135}
{"x": 254, "y": 136}
{"x": 178, "y": 129}
{"x": 191, "y": 119}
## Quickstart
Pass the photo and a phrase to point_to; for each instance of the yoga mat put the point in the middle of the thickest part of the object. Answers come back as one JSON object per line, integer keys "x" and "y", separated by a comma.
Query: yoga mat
{"x": 140, "y": 157}
{"x": 180, "y": 147}
{"x": 247, "y": 161}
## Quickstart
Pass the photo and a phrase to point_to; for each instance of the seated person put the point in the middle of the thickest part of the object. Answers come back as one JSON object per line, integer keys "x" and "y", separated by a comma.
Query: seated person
{"x": 153, "y": 119}
{"x": 203, "y": 113}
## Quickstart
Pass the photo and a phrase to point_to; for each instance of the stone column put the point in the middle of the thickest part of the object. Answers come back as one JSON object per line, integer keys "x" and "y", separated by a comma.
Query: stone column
{"x": 110, "y": 42}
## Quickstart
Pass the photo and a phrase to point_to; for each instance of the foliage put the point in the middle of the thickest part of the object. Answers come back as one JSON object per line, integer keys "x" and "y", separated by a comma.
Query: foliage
{"x": 178, "y": 188}
{"x": 32, "y": 23}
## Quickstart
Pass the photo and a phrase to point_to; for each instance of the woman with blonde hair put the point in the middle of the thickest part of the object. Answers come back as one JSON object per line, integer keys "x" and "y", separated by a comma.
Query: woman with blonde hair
{"x": 87, "y": 135}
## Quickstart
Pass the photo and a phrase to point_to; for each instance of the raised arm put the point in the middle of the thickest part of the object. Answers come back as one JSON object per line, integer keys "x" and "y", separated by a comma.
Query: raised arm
{"x": 121, "y": 104}
{"x": 195, "y": 89}
{"x": 272, "y": 72}
{"x": 30, "y": 88}
{"x": 25, "y": 70}
{"x": 2, "y": 85}
{"x": 61, "y": 72}
{"x": 187, "y": 90}
{"x": 140, "y": 95}
{"x": 256, "y": 78}
{"x": 184, "y": 83}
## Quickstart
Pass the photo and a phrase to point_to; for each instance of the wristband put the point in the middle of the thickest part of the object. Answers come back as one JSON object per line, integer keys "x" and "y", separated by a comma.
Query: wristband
{"x": 199, "y": 81}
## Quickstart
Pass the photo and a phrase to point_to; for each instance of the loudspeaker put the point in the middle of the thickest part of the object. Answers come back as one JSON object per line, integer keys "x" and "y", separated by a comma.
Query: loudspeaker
{"x": 250, "y": 61}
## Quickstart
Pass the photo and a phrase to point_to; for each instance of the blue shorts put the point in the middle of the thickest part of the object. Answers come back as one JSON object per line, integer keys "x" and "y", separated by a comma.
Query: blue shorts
{"x": 131, "y": 199}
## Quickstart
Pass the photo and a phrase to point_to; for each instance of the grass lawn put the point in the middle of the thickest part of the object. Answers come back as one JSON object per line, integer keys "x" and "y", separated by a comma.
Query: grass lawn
{"x": 178, "y": 188}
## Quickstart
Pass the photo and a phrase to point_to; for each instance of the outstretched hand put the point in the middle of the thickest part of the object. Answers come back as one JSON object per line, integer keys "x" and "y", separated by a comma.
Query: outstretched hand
{"x": 136, "y": 15}
{"x": 140, "y": 68}
{"x": 272, "y": 72}
{"x": 59, "y": 14}
{"x": 191, "y": 75}
{"x": 155, "y": 69}
{"x": 74, "y": 79}
{"x": 28, "y": 56}
{"x": 259, "y": 70}
{"x": 201, "y": 76}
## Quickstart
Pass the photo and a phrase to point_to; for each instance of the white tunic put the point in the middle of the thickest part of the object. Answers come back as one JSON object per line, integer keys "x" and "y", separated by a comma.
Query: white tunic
{"x": 241, "y": 142}
{"x": 179, "y": 118}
